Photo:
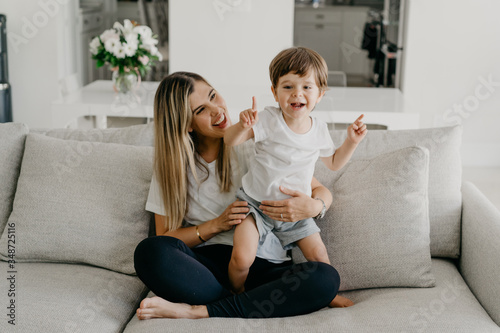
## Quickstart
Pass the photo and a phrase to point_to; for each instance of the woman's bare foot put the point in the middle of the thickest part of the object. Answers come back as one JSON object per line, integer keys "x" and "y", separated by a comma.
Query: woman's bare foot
{"x": 157, "y": 307}
{"x": 340, "y": 302}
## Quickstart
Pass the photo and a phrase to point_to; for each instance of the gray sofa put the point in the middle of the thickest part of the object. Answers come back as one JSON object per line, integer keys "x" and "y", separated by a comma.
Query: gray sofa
{"x": 417, "y": 250}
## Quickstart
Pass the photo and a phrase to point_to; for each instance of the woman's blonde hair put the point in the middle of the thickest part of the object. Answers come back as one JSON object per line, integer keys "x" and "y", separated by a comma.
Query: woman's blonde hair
{"x": 176, "y": 147}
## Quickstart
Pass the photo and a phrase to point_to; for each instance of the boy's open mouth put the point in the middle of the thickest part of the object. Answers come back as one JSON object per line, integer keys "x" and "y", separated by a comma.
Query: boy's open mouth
{"x": 297, "y": 105}
{"x": 220, "y": 120}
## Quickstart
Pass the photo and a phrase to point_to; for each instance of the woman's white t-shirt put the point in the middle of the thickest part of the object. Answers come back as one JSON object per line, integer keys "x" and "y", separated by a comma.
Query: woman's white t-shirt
{"x": 207, "y": 202}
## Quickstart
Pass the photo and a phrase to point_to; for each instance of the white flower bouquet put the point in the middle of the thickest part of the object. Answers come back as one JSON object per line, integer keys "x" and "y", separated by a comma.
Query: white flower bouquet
{"x": 128, "y": 48}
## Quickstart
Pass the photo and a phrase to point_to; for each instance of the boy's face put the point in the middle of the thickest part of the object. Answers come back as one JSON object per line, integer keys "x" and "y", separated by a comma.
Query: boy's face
{"x": 296, "y": 95}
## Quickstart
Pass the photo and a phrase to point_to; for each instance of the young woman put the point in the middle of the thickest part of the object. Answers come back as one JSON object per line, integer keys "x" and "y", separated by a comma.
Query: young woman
{"x": 193, "y": 197}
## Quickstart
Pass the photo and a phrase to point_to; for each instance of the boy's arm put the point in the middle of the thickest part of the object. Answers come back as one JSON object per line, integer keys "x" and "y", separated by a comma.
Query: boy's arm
{"x": 355, "y": 134}
{"x": 341, "y": 156}
{"x": 237, "y": 134}
{"x": 242, "y": 130}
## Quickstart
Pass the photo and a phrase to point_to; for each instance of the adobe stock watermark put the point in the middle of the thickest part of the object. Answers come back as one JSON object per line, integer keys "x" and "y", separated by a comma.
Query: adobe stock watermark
{"x": 348, "y": 49}
{"x": 75, "y": 156}
{"x": 222, "y": 7}
{"x": 88, "y": 311}
{"x": 460, "y": 111}
{"x": 30, "y": 27}
{"x": 134, "y": 103}
{"x": 292, "y": 280}
{"x": 410, "y": 167}
{"x": 429, "y": 313}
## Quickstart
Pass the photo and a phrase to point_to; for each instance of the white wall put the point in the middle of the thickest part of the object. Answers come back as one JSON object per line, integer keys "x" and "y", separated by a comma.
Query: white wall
{"x": 452, "y": 50}
{"x": 230, "y": 43}
{"x": 36, "y": 59}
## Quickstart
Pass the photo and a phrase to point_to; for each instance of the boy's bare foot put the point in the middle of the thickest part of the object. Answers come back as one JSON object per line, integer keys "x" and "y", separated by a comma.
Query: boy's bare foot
{"x": 157, "y": 307}
{"x": 340, "y": 302}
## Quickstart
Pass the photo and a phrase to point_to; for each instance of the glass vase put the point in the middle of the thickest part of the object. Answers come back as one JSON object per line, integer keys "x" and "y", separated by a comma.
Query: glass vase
{"x": 125, "y": 82}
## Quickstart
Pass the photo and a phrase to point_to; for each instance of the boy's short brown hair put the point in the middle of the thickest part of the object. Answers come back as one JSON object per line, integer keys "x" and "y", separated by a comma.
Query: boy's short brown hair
{"x": 299, "y": 60}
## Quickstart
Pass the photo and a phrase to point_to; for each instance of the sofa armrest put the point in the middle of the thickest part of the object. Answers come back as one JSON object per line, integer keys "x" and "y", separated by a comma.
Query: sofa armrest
{"x": 480, "y": 258}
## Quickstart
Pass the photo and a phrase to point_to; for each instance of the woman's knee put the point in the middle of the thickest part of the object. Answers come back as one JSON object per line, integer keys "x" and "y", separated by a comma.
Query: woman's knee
{"x": 152, "y": 244}
{"x": 324, "y": 277}
{"x": 156, "y": 247}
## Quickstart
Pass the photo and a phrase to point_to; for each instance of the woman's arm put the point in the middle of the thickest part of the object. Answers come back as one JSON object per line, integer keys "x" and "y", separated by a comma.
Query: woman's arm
{"x": 321, "y": 192}
{"x": 299, "y": 206}
{"x": 233, "y": 215}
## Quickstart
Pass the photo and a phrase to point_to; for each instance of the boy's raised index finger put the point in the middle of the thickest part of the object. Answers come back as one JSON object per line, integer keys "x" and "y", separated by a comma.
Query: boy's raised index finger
{"x": 254, "y": 103}
{"x": 360, "y": 117}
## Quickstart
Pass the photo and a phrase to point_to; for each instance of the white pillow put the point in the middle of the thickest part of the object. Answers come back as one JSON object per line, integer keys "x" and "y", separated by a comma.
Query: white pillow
{"x": 377, "y": 229}
{"x": 81, "y": 202}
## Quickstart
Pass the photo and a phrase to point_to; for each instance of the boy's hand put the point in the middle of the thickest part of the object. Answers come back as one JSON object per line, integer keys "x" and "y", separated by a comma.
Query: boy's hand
{"x": 357, "y": 130}
{"x": 249, "y": 117}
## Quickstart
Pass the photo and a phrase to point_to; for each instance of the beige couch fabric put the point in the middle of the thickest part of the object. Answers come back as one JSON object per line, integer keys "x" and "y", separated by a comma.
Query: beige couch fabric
{"x": 54, "y": 297}
{"x": 445, "y": 177}
{"x": 12, "y": 138}
{"x": 81, "y": 202}
{"x": 377, "y": 228}
{"x": 448, "y": 307}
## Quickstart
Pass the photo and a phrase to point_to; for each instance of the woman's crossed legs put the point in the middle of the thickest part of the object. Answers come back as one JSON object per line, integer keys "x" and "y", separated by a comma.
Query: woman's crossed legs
{"x": 193, "y": 284}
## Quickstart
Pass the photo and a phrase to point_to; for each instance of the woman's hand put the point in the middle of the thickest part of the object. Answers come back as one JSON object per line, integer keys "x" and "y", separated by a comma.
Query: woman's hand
{"x": 232, "y": 215}
{"x": 298, "y": 207}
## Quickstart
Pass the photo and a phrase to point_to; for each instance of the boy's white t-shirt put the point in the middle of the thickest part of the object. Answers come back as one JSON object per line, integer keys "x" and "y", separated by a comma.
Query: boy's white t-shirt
{"x": 206, "y": 202}
{"x": 284, "y": 157}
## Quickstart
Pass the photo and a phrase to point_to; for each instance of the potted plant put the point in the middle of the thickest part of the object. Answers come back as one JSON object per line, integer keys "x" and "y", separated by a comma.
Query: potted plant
{"x": 129, "y": 50}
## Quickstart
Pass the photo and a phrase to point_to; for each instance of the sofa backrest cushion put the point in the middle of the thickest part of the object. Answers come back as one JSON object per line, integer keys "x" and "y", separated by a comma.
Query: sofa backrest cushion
{"x": 445, "y": 176}
{"x": 81, "y": 202}
{"x": 138, "y": 135}
{"x": 12, "y": 137}
{"x": 377, "y": 229}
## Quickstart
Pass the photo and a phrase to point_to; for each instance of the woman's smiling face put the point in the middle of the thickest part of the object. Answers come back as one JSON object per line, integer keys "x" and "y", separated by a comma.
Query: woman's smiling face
{"x": 210, "y": 116}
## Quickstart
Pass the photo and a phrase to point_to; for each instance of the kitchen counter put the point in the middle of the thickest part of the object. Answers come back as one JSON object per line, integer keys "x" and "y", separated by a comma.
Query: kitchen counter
{"x": 381, "y": 106}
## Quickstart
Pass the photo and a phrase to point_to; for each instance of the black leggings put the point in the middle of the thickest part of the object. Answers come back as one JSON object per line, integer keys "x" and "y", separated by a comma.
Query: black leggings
{"x": 198, "y": 276}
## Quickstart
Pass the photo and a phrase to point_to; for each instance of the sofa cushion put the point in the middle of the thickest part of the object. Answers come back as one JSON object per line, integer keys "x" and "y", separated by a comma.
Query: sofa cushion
{"x": 81, "y": 202}
{"x": 445, "y": 177}
{"x": 138, "y": 135}
{"x": 449, "y": 307}
{"x": 377, "y": 228}
{"x": 12, "y": 138}
{"x": 55, "y": 297}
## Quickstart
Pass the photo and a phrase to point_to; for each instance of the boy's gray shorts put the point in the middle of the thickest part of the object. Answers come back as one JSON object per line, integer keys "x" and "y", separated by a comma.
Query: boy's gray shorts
{"x": 287, "y": 232}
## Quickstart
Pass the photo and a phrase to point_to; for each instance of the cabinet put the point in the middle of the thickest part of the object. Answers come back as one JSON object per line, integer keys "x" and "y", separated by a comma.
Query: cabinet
{"x": 91, "y": 25}
{"x": 95, "y": 16}
{"x": 320, "y": 31}
{"x": 336, "y": 33}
